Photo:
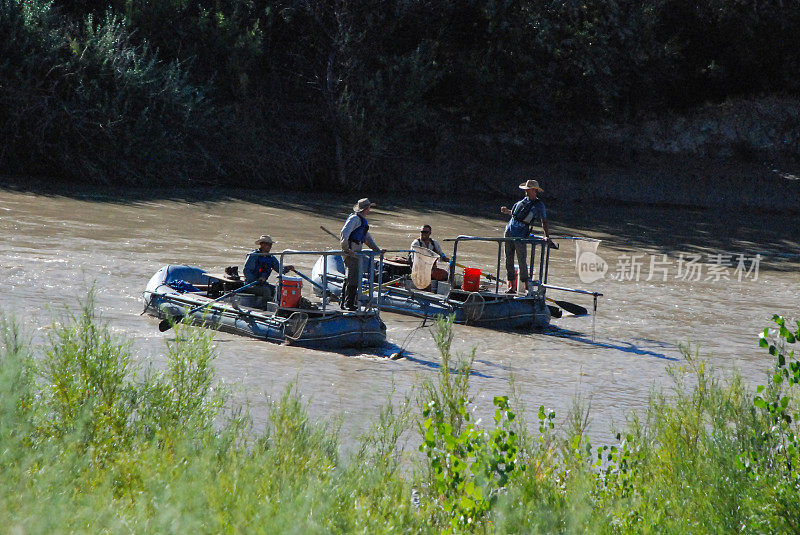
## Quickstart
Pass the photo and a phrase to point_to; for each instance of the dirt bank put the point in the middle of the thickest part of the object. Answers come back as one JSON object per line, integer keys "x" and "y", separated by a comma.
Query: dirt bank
{"x": 677, "y": 180}
{"x": 733, "y": 155}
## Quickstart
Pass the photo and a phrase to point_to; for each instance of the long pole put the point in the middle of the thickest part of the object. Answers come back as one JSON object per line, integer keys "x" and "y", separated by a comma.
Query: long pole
{"x": 168, "y": 323}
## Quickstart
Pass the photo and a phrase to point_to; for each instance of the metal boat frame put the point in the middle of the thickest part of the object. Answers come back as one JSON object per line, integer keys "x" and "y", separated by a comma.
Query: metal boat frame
{"x": 485, "y": 308}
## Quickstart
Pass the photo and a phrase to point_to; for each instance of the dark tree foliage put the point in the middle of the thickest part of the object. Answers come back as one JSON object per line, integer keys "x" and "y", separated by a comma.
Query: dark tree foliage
{"x": 723, "y": 48}
{"x": 330, "y": 92}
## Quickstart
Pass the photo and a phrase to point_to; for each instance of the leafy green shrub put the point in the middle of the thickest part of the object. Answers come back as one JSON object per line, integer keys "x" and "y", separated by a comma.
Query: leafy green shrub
{"x": 80, "y": 100}
{"x": 469, "y": 466}
{"x": 778, "y": 457}
{"x": 84, "y": 388}
{"x": 88, "y": 443}
{"x": 223, "y": 40}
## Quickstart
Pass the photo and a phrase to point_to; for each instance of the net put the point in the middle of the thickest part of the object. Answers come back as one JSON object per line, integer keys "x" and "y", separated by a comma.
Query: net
{"x": 473, "y": 308}
{"x": 294, "y": 325}
{"x": 585, "y": 245}
{"x": 421, "y": 267}
{"x": 586, "y": 259}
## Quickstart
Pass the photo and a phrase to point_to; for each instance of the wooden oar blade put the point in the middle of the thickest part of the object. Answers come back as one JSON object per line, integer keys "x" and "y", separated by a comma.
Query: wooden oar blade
{"x": 555, "y": 312}
{"x": 169, "y": 322}
{"x": 572, "y": 308}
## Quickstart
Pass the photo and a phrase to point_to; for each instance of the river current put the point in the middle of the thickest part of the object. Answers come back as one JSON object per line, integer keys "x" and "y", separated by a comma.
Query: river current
{"x": 708, "y": 278}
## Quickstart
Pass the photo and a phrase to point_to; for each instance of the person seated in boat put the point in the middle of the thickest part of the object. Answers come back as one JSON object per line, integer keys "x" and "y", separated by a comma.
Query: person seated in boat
{"x": 519, "y": 226}
{"x": 426, "y": 242}
{"x": 354, "y": 234}
{"x": 259, "y": 266}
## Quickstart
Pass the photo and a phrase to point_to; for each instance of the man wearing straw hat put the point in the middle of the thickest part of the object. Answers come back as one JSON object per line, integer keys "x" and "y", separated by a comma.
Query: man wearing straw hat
{"x": 355, "y": 233}
{"x": 259, "y": 266}
{"x": 519, "y": 226}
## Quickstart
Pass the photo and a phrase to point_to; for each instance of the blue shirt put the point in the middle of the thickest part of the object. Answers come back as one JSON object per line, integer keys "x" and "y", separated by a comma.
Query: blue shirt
{"x": 259, "y": 265}
{"x": 519, "y": 229}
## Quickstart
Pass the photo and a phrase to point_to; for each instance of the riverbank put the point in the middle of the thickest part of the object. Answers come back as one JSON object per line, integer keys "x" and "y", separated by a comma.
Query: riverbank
{"x": 666, "y": 180}
{"x": 736, "y": 154}
{"x": 429, "y": 101}
{"x": 675, "y": 180}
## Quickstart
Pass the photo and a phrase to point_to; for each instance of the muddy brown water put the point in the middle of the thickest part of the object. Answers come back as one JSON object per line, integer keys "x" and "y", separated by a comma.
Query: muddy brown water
{"x": 54, "y": 247}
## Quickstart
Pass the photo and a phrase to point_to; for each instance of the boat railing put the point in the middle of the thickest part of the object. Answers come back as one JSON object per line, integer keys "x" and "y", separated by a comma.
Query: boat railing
{"x": 573, "y": 290}
{"x": 537, "y": 242}
{"x": 373, "y": 280}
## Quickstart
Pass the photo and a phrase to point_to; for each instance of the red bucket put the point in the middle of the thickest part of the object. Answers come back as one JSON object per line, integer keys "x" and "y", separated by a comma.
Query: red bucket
{"x": 290, "y": 291}
{"x": 472, "y": 280}
{"x": 513, "y": 282}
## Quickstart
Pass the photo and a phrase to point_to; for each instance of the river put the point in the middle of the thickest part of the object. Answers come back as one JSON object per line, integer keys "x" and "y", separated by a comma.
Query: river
{"x": 55, "y": 246}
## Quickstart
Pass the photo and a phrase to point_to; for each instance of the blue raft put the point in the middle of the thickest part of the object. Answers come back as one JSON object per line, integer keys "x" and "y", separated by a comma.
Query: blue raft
{"x": 175, "y": 290}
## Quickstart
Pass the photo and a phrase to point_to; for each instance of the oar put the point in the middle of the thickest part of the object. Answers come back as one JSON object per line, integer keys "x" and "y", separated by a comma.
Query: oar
{"x": 168, "y": 323}
{"x": 554, "y": 311}
{"x": 398, "y": 279}
{"x": 329, "y": 232}
{"x": 572, "y": 308}
{"x": 318, "y": 286}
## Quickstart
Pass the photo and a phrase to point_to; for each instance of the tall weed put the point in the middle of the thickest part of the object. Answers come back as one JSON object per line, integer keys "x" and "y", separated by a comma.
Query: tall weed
{"x": 84, "y": 388}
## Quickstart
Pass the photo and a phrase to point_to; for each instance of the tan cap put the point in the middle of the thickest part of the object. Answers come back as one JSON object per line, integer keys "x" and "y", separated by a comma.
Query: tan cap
{"x": 264, "y": 239}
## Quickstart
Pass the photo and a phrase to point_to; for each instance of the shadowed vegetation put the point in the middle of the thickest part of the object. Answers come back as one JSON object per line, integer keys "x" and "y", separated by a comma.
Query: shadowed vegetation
{"x": 346, "y": 95}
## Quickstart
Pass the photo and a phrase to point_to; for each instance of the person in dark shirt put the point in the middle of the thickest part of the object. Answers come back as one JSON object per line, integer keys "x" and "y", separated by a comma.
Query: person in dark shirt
{"x": 259, "y": 266}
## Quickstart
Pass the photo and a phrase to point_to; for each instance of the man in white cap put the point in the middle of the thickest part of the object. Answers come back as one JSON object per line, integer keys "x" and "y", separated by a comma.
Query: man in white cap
{"x": 355, "y": 233}
{"x": 519, "y": 226}
{"x": 259, "y": 266}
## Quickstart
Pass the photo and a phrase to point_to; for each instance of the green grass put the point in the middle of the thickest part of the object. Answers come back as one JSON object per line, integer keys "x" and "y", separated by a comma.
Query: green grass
{"x": 89, "y": 442}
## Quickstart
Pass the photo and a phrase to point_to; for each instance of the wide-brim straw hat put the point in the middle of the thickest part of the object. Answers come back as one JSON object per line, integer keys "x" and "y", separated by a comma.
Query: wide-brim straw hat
{"x": 530, "y": 184}
{"x": 362, "y": 205}
{"x": 264, "y": 239}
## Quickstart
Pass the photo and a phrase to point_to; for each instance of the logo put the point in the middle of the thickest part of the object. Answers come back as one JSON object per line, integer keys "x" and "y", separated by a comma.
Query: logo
{"x": 590, "y": 267}
{"x": 718, "y": 267}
